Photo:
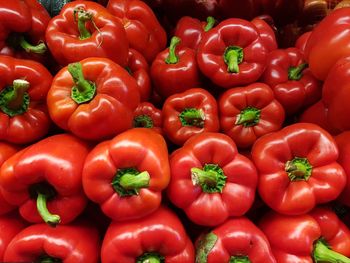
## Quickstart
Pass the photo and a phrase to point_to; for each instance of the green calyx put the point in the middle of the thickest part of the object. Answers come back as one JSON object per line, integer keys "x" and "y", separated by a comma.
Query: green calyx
{"x": 192, "y": 117}
{"x": 172, "y": 58}
{"x": 150, "y": 258}
{"x": 248, "y": 117}
{"x": 323, "y": 253}
{"x": 210, "y": 23}
{"x": 211, "y": 178}
{"x": 295, "y": 73}
{"x": 84, "y": 90}
{"x": 298, "y": 169}
{"x": 233, "y": 56}
{"x": 48, "y": 259}
{"x": 204, "y": 247}
{"x": 14, "y": 100}
{"x": 129, "y": 181}
{"x": 82, "y": 17}
{"x": 239, "y": 259}
{"x": 143, "y": 121}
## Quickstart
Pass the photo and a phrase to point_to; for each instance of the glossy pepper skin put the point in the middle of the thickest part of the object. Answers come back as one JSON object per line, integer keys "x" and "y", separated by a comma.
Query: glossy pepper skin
{"x": 210, "y": 180}
{"x": 247, "y": 113}
{"x": 315, "y": 237}
{"x": 175, "y": 70}
{"x": 44, "y": 180}
{"x": 237, "y": 240}
{"x": 86, "y": 29}
{"x": 232, "y": 53}
{"x": 188, "y": 113}
{"x": 302, "y": 41}
{"x": 291, "y": 80}
{"x": 298, "y": 168}
{"x": 144, "y": 32}
{"x": 127, "y": 174}
{"x": 74, "y": 243}
{"x": 343, "y": 143}
{"x": 266, "y": 32}
{"x": 94, "y": 99}
{"x": 23, "y": 90}
{"x": 159, "y": 237}
{"x": 147, "y": 115}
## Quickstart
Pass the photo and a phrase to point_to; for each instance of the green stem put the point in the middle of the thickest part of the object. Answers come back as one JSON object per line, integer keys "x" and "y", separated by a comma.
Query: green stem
{"x": 48, "y": 218}
{"x": 48, "y": 259}
{"x": 250, "y": 116}
{"x": 210, "y": 23}
{"x": 239, "y": 259}
{"x": 144, "y": 121}
{"x": 322, "y": 253}
{"x": 150, "y": 258}
{"x": 84, "y": 90}
{"x": 204, "y": 246}
{"x": 298, "y": 169}
{"x": 172, "y": 58}
{"x": 233, "y": 56}
{"x": 211, "y": 178}
{"x": 83, "y": 17}
{"x": 129, "y": 181}
{"x": 192, "y": 117}
{"x": 295, "y": 73}
{"x": 38, "y": 49}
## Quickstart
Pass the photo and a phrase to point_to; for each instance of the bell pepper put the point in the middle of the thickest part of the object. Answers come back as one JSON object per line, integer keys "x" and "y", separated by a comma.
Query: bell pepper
{"x": 188, "y": 113}
{"x": 144, "y": 32}
{"x": 175, "y": 70}
{"x": 23, "y": 90}
{"x": 232, "y": 53}
{"x": 291, "y": 80}
{"x": 159, "y": 237}
{"x": 210, "y": 180}
{"x": 94, "y": 99}
{"x": 237, "y": 240}
{"x": 10, "y": 226}
{"x": 302, "y": 41}
{"x": 343, "y": 143}
{"x": 147, "y": 115}
{"x": 298, "y": 168}
{"x": 75, "y": 243}
{"x": 316, "y": 237}
{"x": 247, "y": 113}
{"x": 44, "y": 180}
{"x": 86, "y": 29}
{"x": 266, "y": 32}
{"x": 139, "y": 69}
{"x": 126, "y": 175}
{"x": 190, "y": 30}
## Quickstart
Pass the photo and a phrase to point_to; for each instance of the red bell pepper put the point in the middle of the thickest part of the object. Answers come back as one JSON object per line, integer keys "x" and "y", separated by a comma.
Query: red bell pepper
{"x": 316, "y": 237}
{"x": 302, "y": 41}
{"x": 127, "y": 174}
{"x": 292, "y": 82}
{"x": 75, "y": 243}
{"x": 210, "y": 180}
{"x": 191, "y": 112}
{"x": 298, "y": 168}
{"x": 23, "y": 90}
{"x": 86, "y": 29}
{"x": 148, "y": 116}
{"x": 144, "y": 32}
{"x": 10, "y": 226}
{"x": 237, "y": 240}
{"x": 343, "y": 142}
{"x": 44, "y": 180}
{"x": 94, "y": 99}
{"x": 232, "y": 53}
{"x": 249, "y": 112}
{"x": 266, "y": 32}
{"x": 190, "y": 30}
{"x": 139, "y": 69}
{"x": 159, "y": 237}
{"x": 175, "y": 70}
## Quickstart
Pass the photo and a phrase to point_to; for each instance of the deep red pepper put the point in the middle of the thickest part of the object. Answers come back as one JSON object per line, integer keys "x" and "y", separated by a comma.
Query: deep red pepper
{"x": 266, "y": 33}
{"x": 191, "y": 112}
{"x": 343, "y": 142}
{"x": 302, "y": 41}
{"x": 247, "y": 113}
{"x": 147, "y": 115}
{"x": 44, "y": 180}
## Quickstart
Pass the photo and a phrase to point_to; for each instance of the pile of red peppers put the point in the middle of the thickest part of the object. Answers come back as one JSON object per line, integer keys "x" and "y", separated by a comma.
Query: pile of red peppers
{"x": 125, "y": 138}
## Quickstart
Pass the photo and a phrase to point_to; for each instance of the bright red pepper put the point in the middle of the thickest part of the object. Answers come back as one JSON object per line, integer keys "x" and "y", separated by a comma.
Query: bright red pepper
{"x": 343, "y": 142}
{"x": 247, "y": 113}
{"x": 44, "y": 180}
{"x": 159, "y": 237}
{"x": 127, "y": 174}
{"x": 302, "y": 41}
{"x": 232, "y": 53}
{"x": 23, "y": 90}
{"x": 316, "y": 237}
{"x": 144, "y": 32}
{"x": 86, "y": 29}
{"x": 298, "y": 168}
{"x": 94, "y": 98}
{"x": 191, "y": 112}
{"x": 147, "y": 115}
{"x": 237, "y": 240}
{"x": 139, "y": 69}
{"x": 210, "y": 180}
{"x": 292, "y": 82}
{"x": 266, "y": 33}
{"x": 175, "y": 70}
{"x": 75, "y": 243}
